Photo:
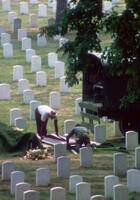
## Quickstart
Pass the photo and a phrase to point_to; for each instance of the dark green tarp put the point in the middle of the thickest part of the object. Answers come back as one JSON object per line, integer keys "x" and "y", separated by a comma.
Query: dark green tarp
{"x": 13, "y": 141}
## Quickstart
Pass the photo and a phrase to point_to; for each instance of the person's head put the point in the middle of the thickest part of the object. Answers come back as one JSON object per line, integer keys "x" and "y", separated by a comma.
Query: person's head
{"x": 53, "y": 114}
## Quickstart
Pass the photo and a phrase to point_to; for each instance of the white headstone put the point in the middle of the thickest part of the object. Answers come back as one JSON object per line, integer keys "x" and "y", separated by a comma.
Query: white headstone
{"x": 57, "y": 193}
{"x": 23, "y": 8}
{"x": 137, "y": 157}
{"x": 28, "y": 95}
{"x": 11, "y": 16}
{"x": 52, "y": 58}
{"x": 20, "y": 122}
{"x": 7, "y": 168}
{"x": 33, "y": 1}
{"x": 8, "y": 50}
{"x": 119, "y": 164}
{"x": 16, "y": 177}
{"x": 117, "y": 131}
{"x": 41, "y": 41}
{"x": 59, "y": 69}
{"x": 69, "y": 124}
{"x": 107, "y": 7}
{"x": 59, "y": 150}
{"x": 5, "y": 92}
{"x": 97, "y": 197}
{"x": 50, "y": 3}
{"x": 17, "y": 72}
{"x": 109, "y": 182}
{"x": 63, "y": 85}
{"x": 63, "y": 167}
{"x": 33, "y": 105}
{"x": 115, "y": 1}
{"x": 77, "y": 107}
{"x": 55, "y": 100}
{"x": 23, "y": 84}
{"x": 100, "y": 133}
{"x": 2, "y": 30}
{"x": 29, "y": 54}
{"x": 131, "y": 140}
{"x": 54, "y": 4}
{"x": 133, "y": 180}
{"x": 57, "y": 37}
{"x": 73, "y": 180}
{"x": 33, "y": 20}
{"x": 5, "y": 38}
{"x": 83, "y": 191}
{"x": 6, "y": 5}
{"x": 21, "y": 34}
{"x": 62, "y": 41}
{"x": 41, "y": 78}
{"x": 35, "y": 64}
{"x": 31, "y": 195}
{"x": 120, "y": 192}
{"x": 20, "y": 189}
{"x": 14, "y": 113}
{"x": 26, "y": 43}
{"x": 86, "y": 157}
{"x": 42, "y": 10}
{"x": 42, "y": 176}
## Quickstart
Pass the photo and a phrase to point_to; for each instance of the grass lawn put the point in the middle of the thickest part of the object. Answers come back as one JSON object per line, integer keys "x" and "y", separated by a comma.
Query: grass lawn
{"x": 103, "y": 157}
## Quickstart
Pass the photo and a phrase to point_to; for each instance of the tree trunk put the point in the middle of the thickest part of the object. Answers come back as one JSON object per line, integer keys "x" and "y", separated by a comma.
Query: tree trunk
{"x": 61, "y": 5}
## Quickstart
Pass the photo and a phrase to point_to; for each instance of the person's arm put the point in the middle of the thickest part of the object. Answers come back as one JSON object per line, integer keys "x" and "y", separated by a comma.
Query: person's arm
{"x": 56, "y": 126}
{"x": 43, "y": 128}
{"x": 67, "y": 139}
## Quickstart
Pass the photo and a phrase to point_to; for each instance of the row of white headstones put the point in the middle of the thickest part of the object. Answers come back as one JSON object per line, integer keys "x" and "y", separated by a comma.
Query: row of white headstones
{"x": 112, "y": 186}
{"x": 24, "y": 7}
{"x": 41, "y": 77}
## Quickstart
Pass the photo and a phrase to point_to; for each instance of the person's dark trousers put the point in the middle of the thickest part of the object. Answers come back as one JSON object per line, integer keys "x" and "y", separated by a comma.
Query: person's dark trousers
{"x": 38, "y": 121}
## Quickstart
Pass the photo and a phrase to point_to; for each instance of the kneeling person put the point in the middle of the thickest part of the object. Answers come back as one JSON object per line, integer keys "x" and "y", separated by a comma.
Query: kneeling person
{"x": 81, "y": 136}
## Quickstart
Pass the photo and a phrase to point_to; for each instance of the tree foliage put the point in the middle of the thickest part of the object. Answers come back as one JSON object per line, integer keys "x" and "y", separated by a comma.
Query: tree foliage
{"x": 123, "y": 55}
{"x": 85, "y": 19}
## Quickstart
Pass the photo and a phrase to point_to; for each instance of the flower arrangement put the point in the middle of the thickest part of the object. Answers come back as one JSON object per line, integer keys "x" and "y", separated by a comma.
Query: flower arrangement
{"x": 36, "y": 154}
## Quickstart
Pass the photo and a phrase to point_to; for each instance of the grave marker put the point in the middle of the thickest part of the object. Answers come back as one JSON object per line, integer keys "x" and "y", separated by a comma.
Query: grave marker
{"x": 63, "y": 167}
{"x": 42, "y": 177}
{"x": 7, "y": 50}
{"x": 83, "y": 191}
{"x": 20, "y": 122}
{"x": 17, "y": 72}
{"x": 16, "y": 177}
{"x": 20, "y": 188}
{"x": 86, "y": 157}
{"x": 35, "y": 63}
{"x": 57, "y": 193}
{"x": 28, "y": 95}
{"x": 33, "y": 105}
{"x": 5, "y": 93}
{"x": 55, "y": 100}
{"x": 29, "y": 54}
{"x": 73, "y": 180}
{"x": 23, "y": 84}
{"x": 7, "y": 168}
{"x": 14, "y": 113}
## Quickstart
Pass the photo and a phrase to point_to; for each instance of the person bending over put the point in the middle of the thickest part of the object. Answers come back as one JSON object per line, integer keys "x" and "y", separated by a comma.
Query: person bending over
{"x": 81, "y": 136}
{"x": 42, "y": 114}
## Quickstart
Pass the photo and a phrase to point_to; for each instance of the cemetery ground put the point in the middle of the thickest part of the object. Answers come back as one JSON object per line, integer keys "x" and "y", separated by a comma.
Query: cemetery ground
{"x": 102, "y": 157}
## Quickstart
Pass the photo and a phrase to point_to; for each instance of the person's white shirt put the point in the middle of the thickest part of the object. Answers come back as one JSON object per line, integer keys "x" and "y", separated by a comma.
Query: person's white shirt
{"x": 45, "y": 111}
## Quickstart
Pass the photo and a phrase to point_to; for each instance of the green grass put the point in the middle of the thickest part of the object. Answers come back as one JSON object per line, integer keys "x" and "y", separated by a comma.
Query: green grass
{"x": 102, "y": 156}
